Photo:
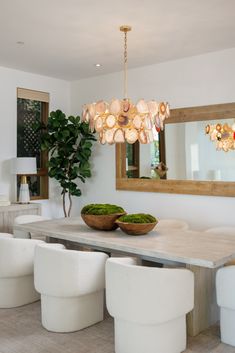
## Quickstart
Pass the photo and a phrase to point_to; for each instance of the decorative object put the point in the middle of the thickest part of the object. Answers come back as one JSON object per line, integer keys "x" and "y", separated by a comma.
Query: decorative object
{"x": 223, "y": 135}
{"x": 102, "y": 216}
{"x": 24, "y": 166}
{"x": 136, "y": 224}
{"x": 69, "y": 142}
{"x": 121, "y": 120}
{"x": 161, "y": 170}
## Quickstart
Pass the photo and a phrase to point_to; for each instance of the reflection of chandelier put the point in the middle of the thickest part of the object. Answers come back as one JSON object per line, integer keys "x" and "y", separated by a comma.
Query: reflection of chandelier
{"x": 121, "y": 120}
{"x": 223, "y": 135}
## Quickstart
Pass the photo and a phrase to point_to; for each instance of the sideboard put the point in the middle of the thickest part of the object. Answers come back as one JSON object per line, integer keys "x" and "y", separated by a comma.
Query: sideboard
{"x": 8, "y": 214}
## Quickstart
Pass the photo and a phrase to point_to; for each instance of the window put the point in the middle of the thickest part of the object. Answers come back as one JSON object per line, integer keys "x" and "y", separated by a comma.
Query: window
{"x": 32, "y": 106}
{"x": 133, "y": 160}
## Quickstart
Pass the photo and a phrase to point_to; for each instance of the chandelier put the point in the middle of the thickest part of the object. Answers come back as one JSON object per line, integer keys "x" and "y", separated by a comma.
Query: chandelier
{"x": 223, "y": 135}
{"x": 123, "y": 121}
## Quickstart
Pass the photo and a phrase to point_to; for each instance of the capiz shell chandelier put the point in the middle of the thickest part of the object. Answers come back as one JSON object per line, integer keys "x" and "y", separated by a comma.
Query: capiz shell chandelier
{"x": 123, "y": 121}
{"x": 223, "y": 135}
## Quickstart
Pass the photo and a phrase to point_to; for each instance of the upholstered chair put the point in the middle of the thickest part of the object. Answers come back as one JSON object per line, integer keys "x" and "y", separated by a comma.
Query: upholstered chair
{"x": 222, "y": 230}
{"x": 225, "y": 291}
{"x": 71, "y": 284}
{"x": 23, "y": 219}
{"x": 16, "y": 271}
{"x": 6, "y": 235}
{"x": 174, "y": 224}
{"x": 149, "y": 306}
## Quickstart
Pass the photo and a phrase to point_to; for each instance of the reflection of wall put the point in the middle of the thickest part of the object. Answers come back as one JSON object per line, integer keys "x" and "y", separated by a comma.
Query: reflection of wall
{"x": 145, "y": 160}
{"x": 192, "y": 151}
{"x": 175, "y": 151}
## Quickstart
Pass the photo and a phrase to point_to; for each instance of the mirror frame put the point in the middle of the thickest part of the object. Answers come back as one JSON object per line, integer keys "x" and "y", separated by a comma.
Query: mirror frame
{"x": 179, "y": 115}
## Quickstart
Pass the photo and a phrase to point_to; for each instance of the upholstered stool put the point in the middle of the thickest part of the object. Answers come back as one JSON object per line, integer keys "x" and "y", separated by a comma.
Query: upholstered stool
{"x": 71, "y": 284}
{"x": 16, "y": 271}
{"x": 149, "y": 306}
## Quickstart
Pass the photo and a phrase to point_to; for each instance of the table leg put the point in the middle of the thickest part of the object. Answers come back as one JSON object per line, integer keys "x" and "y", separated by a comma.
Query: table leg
{"x": 206, "y": 311}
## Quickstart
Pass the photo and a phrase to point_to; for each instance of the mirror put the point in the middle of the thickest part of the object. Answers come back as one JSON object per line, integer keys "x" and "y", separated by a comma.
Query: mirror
{"x": 184, "y": 159}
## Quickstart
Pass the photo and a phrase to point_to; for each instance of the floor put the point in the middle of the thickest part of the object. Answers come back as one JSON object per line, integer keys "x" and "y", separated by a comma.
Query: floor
{"x": 21, "y": 332}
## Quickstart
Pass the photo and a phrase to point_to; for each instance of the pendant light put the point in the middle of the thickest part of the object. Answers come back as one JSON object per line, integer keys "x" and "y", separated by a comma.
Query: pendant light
{"x": 223, "y": 135}
{"x": 123, "y": 121}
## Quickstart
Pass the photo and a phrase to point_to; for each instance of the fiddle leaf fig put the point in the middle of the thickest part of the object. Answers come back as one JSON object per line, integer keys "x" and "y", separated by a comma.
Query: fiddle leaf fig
{"x": 69, "y": 143}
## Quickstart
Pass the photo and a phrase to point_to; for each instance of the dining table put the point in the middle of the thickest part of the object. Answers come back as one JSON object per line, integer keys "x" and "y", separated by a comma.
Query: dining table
{"x": 202, "y": 253}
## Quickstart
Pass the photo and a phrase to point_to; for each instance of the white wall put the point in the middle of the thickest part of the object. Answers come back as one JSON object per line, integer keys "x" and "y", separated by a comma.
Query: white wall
{"x": 200, "y": 80}
{"x": 59, "y": 99}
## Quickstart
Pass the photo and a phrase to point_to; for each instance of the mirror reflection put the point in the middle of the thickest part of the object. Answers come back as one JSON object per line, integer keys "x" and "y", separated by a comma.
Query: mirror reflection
{"x": 183, "y": 152}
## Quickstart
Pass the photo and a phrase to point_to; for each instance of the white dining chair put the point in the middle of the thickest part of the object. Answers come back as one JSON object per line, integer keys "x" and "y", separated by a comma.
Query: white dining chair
{"x": 16, "y": 271}
{"x": 6, "y": 235}
{"x": 174, "y": 224}
{"x": 24, "y": 219}
{"x": 171, "y": 225}
{"x": 221, "y": 230}
{"x": 225, "y": 292}
{"x": 149, "y": 306}
{"x": 71, "y": 284}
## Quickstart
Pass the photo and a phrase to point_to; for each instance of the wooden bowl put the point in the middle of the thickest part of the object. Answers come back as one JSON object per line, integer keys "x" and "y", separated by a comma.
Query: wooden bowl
{"x": 102, "y": 222}
{"x": 136, "y": 228}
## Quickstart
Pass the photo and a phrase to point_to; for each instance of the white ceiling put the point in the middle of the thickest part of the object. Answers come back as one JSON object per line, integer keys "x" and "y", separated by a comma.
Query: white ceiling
{"x": 65, "y": 38}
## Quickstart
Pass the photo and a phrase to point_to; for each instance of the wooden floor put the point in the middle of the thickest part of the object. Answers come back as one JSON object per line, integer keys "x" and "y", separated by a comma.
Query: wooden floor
{"x": 21, "y": 332}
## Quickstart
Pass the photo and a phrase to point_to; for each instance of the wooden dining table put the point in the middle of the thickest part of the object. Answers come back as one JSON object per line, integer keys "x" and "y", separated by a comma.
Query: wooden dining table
{"x": 202, "y": 253}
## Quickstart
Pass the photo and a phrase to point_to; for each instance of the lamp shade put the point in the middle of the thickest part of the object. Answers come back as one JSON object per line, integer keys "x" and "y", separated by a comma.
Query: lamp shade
{"x": 24, "y": 165}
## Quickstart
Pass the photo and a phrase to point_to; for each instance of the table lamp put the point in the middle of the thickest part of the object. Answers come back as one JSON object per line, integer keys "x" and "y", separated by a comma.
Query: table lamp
{"x": 24, "y": 166}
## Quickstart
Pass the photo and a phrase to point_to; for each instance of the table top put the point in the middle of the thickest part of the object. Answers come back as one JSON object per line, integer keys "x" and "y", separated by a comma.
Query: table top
{"x": 188, "y": 247}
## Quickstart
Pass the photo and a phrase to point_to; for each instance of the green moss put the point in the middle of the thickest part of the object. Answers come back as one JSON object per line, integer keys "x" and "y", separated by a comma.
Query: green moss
{"x": 101, "y": 209}
{"x": 137, "y": 218}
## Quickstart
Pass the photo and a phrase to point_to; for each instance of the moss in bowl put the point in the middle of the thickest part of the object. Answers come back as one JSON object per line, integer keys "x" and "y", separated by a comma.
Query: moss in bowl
{"x": 102, "y": 216}
{"x": 136, "y": 224}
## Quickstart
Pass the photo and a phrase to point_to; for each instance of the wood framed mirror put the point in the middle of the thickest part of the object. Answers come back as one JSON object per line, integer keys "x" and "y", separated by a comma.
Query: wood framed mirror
{"x": 205, "y": 170}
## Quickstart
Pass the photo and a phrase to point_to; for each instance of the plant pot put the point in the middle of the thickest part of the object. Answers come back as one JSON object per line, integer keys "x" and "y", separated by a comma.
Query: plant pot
{"x": 102, "y": 222}
{"x": 136, "y": 228}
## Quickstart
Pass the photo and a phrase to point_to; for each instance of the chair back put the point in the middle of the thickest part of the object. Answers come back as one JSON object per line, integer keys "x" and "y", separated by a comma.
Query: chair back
{"x": 68, "y": 273}
{"x": 147, "y": 295}
{"x": 16, "y": 256}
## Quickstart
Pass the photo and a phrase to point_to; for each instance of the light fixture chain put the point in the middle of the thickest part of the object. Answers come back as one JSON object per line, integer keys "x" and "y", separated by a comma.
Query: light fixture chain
{"x": 125, "y": 64}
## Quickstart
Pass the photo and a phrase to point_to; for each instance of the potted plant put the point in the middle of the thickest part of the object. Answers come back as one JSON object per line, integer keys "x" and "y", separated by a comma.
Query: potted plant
{"x": 68, "y": 142}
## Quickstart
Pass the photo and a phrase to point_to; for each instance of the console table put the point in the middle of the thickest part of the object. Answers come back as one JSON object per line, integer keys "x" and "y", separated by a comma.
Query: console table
{"x": 201, "y": 252}
{"x": 9, "y": 213}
